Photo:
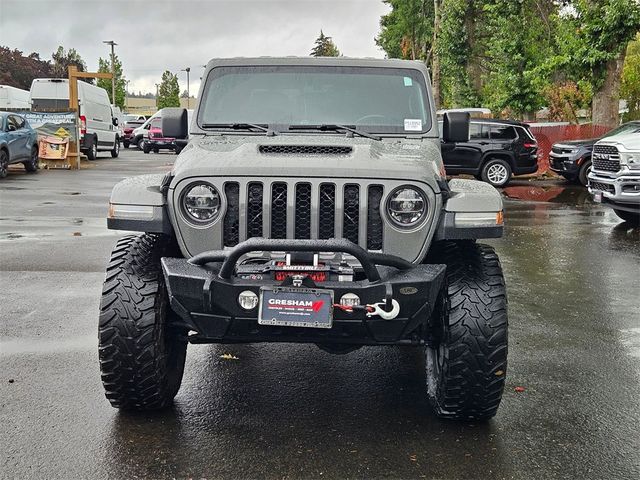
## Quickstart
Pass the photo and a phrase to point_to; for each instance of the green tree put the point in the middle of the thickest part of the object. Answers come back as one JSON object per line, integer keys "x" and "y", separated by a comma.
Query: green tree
{"x": 63, "y": 59}
{"x": 169, "y": 91}
{"x": 630, "y": 89}
{"x": 104, "y": 66}
{"x": 324, "y": 47}
{"x": 593, "y": 46}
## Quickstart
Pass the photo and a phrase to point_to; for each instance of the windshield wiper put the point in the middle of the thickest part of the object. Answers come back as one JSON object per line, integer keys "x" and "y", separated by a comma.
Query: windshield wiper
{"x": 242, "y": 126}
{"x": 333, "y": 128}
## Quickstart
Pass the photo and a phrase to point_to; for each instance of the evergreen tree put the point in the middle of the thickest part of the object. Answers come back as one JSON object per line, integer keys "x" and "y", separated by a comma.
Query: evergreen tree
{"x": 169, "y": 91}
{"x": 121, "y": 83}
{"x": 324, "y": 47}
{"x": 63, "y": 59}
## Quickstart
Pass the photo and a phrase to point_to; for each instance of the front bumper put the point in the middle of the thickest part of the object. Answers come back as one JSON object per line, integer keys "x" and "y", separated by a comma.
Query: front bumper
{"x": 567, "y": 165}
{"x": 621, "y": 191}
{"x": 203, "y": 291}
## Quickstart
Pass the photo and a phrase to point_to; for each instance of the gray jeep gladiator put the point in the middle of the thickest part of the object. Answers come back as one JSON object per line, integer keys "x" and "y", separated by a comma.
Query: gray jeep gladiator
{"x": 310, "y": 204}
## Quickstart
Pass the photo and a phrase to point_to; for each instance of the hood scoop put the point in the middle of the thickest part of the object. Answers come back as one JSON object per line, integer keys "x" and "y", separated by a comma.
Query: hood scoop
{"x": 334, "y": 150}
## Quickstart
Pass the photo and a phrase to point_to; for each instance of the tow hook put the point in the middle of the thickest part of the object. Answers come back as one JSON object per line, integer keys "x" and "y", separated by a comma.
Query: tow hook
{"x": 376, "y": 309}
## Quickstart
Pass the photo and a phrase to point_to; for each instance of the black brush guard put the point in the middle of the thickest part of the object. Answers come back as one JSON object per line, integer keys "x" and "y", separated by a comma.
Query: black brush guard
{"x": 203, "y": 291}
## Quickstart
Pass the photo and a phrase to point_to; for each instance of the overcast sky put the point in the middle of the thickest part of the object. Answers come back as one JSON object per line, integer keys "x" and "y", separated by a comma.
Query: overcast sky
{"x": 158, "y": 35}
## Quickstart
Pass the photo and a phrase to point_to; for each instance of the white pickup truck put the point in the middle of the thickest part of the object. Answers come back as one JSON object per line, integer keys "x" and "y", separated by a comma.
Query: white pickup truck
{"x": 614, "y": 179}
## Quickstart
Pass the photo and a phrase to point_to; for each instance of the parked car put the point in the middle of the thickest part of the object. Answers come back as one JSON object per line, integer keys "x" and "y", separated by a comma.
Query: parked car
{"x": 127, "y": 131}
{"x": 572, "y": 158}
{"x": 133, "y": 117}
{"x": 341, "y": 231}
{"x": 12, "y": 98}
{"x": 98, "y": 126}
{"x": 156, "y": 141}
{"x": 496, "y": 150}
{"x": 614, "y": 179}
{"x": 18, "y": 143}
{"x": 141, "y": 133}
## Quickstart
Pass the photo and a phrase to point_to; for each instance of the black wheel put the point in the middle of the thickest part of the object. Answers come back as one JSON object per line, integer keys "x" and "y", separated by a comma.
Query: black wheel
{"x": 115, "y": 151}
{"x": 126, "y": 143}
{"x": 156, "y": 150}
{"x": 31, "y": 165}
{"x": 497, "y": 172}
{"x": 4, "y": 163}
{"x": 467, "y": 358}
{"x": 146, "y": 148}
{"x": 140, "y": 143}
{"x": 584, "y": 172}
{"x": 92, "y": 152}
{"x": 141, "y": 356}
{"x": 632, "y": 218}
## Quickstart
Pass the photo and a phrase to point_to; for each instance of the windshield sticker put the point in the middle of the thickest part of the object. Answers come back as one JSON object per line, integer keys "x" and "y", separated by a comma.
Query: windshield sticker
{"x": 408, "y": 82}
{"x": 413, "y": 124}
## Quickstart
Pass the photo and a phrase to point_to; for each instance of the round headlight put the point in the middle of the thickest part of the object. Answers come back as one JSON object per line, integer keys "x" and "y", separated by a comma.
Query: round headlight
{"x": 201, "y": 203}
{"x": 406, "y": 207}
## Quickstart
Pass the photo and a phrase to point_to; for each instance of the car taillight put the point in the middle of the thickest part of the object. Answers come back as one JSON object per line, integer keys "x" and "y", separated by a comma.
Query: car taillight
{"x": 530, "y": 145}
{"x": 83, "y": 125}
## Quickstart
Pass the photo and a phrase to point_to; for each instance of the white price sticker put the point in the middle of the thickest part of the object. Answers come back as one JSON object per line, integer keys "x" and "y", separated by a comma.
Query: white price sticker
{"x": 413, "y": 124}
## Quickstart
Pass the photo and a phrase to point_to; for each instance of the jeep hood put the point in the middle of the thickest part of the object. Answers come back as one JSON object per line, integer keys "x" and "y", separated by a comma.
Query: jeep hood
{"x": 240, "y": 155}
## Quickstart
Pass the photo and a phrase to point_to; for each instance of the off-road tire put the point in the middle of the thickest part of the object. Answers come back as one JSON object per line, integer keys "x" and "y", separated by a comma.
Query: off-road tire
{"x": 488, "y": 176}
{"x": 4, "y": 163}
{"x": 115, "y": 151}
{"x": 31, "y": 165}
{"x": 140, "y": 143}
{"x": 92, "y": 151}
{"x": 141, "y": 356}
{"x": 584, "y": 172}
{"x": 146, "y": 148}
{"x": 156, "y": 150}
{"x": 632, "y": 218}
{"x": 467, "y": 365}
{"x": 126, "y": 144}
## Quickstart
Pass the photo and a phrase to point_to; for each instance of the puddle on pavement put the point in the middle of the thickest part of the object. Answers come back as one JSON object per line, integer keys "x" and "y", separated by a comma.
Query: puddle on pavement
{"x": 565, "y": 194}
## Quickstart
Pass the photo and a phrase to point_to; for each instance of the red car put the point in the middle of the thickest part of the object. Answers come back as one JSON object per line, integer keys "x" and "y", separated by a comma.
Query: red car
{"x": 128, "y": 130}
{"x": 156, "y": 140}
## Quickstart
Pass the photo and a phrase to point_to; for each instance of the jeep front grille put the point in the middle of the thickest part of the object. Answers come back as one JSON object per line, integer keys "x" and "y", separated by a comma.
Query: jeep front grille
{"x": 302, "y": 211}
{"x": 605, "y": 158}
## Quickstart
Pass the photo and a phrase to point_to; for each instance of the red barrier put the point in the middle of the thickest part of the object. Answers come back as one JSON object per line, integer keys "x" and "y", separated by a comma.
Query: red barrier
{"x": 548, "y": 134}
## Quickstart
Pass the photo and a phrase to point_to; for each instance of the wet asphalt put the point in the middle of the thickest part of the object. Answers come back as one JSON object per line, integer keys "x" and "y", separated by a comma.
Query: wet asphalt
{"x": 293, "y": 411}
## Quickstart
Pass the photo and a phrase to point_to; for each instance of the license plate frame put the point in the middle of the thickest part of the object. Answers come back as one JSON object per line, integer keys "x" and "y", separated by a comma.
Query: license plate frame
{"x": 296, "y": 307}
{"x": 597, "y": 196}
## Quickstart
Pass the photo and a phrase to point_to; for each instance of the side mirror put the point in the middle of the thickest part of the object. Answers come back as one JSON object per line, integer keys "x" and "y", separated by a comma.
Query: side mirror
{"x": 11, "y": 128}
{"x": 115, "y": 122}
{"x": 455, "y": 127}
{"x": 175, "y": 123}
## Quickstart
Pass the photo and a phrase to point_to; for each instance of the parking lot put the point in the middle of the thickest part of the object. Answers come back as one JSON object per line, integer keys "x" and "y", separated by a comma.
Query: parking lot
{"x": 571, "y": 408}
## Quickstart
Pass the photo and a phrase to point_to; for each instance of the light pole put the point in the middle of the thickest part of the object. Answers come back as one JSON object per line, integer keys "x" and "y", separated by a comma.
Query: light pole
{"x": 126, "y": 95}
{"x": 157, "y": 85}
{"x": 113, "y": 70}
{"x": 188, "y": 69}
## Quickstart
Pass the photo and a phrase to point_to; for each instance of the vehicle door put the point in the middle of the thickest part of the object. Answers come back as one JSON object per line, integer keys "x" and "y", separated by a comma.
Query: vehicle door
{"x": 17, "y": 138}
{"x": 504, "y": 137}
{"x": 465, "y": 156}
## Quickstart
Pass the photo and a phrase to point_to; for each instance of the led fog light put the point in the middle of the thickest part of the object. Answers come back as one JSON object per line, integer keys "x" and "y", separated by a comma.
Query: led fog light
{"x": 248, "y": 300}
{"x": 350, "y": 300}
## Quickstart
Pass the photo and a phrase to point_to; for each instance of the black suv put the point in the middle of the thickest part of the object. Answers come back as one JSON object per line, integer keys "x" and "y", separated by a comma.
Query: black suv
{"x": 496, "y": 149}
{"x": 572, "y": 159}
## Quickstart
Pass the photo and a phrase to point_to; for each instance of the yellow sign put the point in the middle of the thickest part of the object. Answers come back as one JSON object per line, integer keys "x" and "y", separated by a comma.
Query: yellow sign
{"x": 61, "y": 132}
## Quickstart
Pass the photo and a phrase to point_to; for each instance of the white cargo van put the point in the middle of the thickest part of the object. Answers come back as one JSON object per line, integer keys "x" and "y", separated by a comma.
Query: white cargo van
{"x": 13, "y": 99}
{"x": 98, "y": 127}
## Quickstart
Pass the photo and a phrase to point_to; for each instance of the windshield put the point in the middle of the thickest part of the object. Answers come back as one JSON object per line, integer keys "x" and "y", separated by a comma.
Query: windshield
{"x": 378, "y": 100}
{"x": 626, "y": 128}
